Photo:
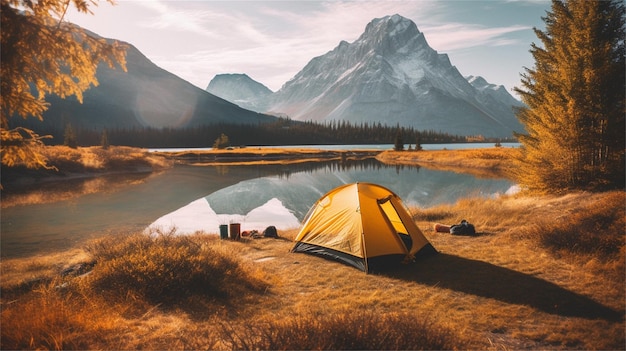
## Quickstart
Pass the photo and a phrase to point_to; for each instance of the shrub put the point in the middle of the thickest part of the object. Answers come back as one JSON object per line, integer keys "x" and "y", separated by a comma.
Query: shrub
{"x": 221, "y": 142}
{"x": 54, "y": 318}
{"x": 168, "y": 269}
{"x": 345, "y": 331}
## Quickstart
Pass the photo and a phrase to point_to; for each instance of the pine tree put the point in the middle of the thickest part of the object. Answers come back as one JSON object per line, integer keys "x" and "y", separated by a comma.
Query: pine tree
{"x": 418, "y": 142}
{"x": 104, "y": 140}
{"x": 69, "y": 137}
{"x": 399, "y": 143}
{"x": 574, "y": 95}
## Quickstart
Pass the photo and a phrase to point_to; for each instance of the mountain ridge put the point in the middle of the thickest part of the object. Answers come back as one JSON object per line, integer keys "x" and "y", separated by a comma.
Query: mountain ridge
{"x": 390, "y": 74}
{"x": 239, "y": 89}
{"x": 145, "y": 96}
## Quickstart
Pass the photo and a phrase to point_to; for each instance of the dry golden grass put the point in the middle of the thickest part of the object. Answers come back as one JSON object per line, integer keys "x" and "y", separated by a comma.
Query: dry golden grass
{"x": 506, "y": 288}
{"x": 21, "y": 275}
{"x": 94, "y": 158}
{"x": 262, "y": 155}
{"x": 491, "y": 162}
{"x": 169, "y": 270}
{"x": 344, "y": 330}
{"x": 583, "y": 293}
{"x": 88, "y": 164}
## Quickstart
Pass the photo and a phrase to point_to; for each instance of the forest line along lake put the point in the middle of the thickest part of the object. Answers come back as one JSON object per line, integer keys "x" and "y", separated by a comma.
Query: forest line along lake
{"x": 381, "y": 147}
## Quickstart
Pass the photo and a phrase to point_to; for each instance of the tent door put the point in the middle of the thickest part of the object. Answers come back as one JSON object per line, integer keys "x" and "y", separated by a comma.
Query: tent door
{"x": 394, "y": 219}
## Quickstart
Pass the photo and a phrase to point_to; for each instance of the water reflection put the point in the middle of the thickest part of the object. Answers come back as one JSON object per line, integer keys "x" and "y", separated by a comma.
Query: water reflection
{"x": 135, "y": 204}
{"x": 55, "y": 191}
{"x": 299, "y": 186}
{"x": 294, "y": 188}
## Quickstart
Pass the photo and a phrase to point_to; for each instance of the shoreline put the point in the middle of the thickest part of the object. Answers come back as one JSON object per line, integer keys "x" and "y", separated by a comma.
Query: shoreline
{"x": 484, "y": 163}
{"x": 103, "y": 197}
{"x": 491, "y": 162}
{"x": 261, "y": 155}
{"x": 93, "y": 164}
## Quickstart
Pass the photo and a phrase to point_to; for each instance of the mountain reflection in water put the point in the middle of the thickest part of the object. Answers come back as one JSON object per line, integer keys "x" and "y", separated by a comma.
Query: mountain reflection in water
{"x": 133, "y": 204}
{"x": 284, "y": 199}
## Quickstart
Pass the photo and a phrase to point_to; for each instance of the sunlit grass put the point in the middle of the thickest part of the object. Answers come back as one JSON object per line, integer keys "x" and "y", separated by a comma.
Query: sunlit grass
{"x": 487, "y": 162}
{"x": 576, "y": 224}
{"x": 114, "y": 158}
{"x": 506, "y": 288}
{"x": 78, "y": 171}
{"x": 49, "y": 318}
{"x": 263, "y": 156}
{"x": 345, "y": 330}
{"x": 18, "y": 273}
{"x": 596, "y": 229}
{"x": 169, "y": 269}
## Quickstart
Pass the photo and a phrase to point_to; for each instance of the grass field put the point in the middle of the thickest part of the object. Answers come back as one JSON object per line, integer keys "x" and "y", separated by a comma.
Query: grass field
{"x": 262, "y": 155}
{"x": 543, "y": 273}
{"x": 487, "y": 162}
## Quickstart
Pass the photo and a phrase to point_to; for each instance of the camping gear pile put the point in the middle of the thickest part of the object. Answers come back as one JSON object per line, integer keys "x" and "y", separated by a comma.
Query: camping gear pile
{"x": 236, "y": 234}
{"x": 463, "y": 228}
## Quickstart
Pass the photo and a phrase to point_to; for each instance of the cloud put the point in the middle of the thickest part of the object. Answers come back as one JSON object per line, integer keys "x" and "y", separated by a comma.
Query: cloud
{"x": 271, "y": 65}
{"x": 457, "y": 36}
{"x": 280, "y": 40}
{"x": 170, "y": 17}
{"x": 272, "y": 40}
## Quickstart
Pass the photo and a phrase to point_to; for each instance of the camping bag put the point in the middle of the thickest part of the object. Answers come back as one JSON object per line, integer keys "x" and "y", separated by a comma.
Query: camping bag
{"x": 270, "y": 232}
{"x": 465, "y": 228}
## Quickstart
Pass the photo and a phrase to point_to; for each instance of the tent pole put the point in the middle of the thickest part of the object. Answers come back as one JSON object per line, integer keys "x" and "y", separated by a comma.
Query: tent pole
{"x": 367, "y": 269}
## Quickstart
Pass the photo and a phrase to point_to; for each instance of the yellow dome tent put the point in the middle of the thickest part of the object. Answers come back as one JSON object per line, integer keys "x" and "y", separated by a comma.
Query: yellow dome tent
{"x": 364, "y": 225}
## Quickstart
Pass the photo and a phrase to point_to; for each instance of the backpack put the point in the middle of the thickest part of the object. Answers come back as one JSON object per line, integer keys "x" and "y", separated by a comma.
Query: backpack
{"x": 270, "y": 232}
{"x": 465, "y": 228}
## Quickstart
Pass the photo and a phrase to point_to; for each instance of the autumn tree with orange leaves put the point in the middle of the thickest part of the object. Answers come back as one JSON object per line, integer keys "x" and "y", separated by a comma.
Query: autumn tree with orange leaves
{"x": 43, "y": 55}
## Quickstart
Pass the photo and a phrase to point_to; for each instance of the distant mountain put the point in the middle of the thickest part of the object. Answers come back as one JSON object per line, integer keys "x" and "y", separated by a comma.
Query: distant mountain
{"x": 391, "y": 75}
{"x": 144, "y": 96}
{"x": 241, "y": 90}
{"x": 497, "y": 92}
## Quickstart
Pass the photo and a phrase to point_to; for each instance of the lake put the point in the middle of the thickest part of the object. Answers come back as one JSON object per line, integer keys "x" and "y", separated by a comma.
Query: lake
{"x": 201, "y": 198}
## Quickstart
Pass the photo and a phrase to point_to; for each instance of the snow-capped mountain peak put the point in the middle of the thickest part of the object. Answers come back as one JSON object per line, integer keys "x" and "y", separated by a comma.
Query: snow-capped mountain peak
{"x": 480, "y": 83}
{"x": 239, "y": 89}
{"x": 499, "y": 92}
{"x": 391, "y": 75}
{"x": 389, "y": 26}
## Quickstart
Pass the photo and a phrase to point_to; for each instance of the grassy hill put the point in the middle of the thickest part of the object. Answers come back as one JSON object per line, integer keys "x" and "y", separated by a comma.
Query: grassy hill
{"x": 543, "y": 273}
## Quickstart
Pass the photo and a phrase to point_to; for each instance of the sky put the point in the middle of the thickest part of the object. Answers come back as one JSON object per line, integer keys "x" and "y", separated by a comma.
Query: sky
{"x": 271, "y": 41}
